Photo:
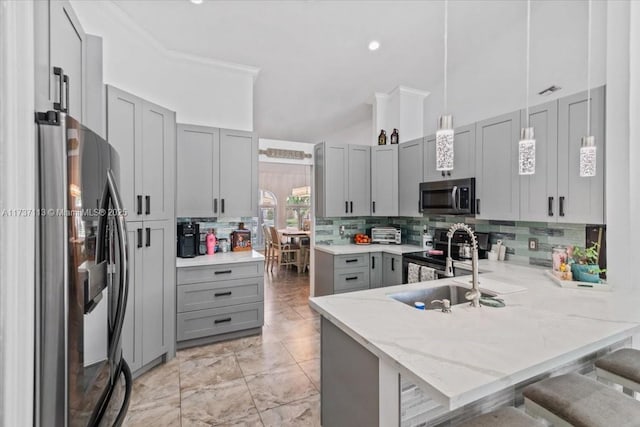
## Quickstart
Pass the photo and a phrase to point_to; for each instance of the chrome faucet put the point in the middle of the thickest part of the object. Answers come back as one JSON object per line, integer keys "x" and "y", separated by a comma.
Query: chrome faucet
{"x": 474, "y": 294}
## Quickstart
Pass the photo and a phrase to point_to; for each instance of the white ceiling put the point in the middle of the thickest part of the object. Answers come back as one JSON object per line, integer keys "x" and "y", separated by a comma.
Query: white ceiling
{"x": 316, "y": 73}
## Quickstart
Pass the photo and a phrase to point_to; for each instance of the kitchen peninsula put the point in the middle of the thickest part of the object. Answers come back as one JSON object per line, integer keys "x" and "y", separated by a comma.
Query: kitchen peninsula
{"x": 374, "y": 347}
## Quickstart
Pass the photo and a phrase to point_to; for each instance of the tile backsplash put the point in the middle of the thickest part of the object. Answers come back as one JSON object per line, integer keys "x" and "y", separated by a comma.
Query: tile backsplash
{"x": 514, "y": 234}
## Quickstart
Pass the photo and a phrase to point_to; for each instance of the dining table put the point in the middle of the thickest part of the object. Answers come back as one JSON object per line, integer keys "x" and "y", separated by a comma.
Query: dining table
{"x": 296, "y": 236}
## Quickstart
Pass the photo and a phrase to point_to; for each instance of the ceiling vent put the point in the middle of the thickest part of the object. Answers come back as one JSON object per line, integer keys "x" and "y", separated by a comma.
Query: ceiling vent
{"x": 549, "y": 90}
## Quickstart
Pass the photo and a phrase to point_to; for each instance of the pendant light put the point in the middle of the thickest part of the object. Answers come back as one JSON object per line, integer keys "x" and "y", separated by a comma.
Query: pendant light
{"x": 444, "y": 135}
{"x": 588, "y": 143}
{"x": 527, "y": 144}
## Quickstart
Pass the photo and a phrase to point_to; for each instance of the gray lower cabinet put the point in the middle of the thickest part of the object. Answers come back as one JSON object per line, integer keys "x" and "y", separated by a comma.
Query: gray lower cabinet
{"x": 148, "y": 331}
{"x": 464, "y": 156}
{"x": 144, "y": 134}
{"x": 391, "y": 269}
{"x": 410, "y": 175}
{"x": 336, "y": 274}
{"x": 343, "y": 180}
{"x": 340, "y": 273}
{"x": 384, "y": 180}
{"x": 497, "y": 179}
{"x": 217, "y": 300}
{"x": 217, "y": 172}
{"x": 375, "y": 270}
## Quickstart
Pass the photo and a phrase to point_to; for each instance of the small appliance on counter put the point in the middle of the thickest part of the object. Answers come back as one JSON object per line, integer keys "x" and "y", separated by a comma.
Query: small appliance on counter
{"x": 240, "y": 239}
{"x": 188, "y": 239}
{"x": 386, "y": 235}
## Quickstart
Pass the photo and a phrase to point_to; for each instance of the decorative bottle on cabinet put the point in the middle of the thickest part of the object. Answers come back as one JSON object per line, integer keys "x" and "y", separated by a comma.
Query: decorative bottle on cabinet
{"x": 395, "y": 136}
{"x": 382, "y": 138}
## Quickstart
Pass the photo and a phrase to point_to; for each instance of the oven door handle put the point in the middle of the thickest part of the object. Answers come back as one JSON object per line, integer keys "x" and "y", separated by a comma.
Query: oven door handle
{"x": 454, "y": 197}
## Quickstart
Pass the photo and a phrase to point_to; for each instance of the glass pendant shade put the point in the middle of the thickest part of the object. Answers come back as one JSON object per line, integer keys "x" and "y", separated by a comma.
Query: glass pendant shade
{"x": 444, "y": 144}
{"x": 588, "y": 156}
{"x": 527, "y": 152}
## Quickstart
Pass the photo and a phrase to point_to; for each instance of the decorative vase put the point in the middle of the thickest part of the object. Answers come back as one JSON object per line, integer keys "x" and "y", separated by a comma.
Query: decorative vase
{"x": 581, "y": 273}
{"x": 382, "y": 138}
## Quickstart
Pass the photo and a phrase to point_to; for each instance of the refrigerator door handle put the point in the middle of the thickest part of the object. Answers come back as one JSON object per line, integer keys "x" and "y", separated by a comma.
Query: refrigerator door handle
{"x": 112, "y": 194}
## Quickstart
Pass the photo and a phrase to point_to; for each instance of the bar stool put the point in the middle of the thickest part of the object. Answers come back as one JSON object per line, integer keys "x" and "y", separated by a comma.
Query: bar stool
{"x": 575, "y": 400}
{"x": 621, "y": 367}
{"x": 503, "y": 417}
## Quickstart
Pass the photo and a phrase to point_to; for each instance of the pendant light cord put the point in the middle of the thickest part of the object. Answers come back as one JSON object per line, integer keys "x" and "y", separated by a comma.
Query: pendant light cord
{"x": 589, "y": 71}
{"x": 528, "y": 57}
{"x": 446, "y": 44}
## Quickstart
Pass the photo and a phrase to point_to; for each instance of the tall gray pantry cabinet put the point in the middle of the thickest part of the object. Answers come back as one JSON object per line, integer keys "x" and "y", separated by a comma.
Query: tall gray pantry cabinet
{"x": 217, "y": 172}
{"x": 144, "y": 134}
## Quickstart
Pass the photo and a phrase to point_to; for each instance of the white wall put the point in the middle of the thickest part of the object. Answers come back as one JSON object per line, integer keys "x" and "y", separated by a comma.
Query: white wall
{"x": 491, "y": 81}
{"x": 199, "y": 91}
{"x": 358, "y": 133}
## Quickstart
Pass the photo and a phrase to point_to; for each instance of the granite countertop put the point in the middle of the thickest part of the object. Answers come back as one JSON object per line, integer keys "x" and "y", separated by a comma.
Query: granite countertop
{"x": 473, "y": 352}
{"x": 220, "y": 258}
{"x": 365, "y": 249}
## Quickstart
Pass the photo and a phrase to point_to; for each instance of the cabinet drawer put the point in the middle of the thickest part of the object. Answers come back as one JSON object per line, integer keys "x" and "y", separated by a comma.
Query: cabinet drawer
{"x": 351, "y": 261}
{"x": 350, "y": 280}
{"x": 216, "y": 273}
{"x": 203, "y": 323}
{"x": 200, "y": 296}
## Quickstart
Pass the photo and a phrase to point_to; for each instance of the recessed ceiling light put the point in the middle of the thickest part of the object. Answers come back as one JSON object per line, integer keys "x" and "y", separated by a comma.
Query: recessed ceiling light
{"x": 196, "y": 1}
{"x": 374, "y": 45}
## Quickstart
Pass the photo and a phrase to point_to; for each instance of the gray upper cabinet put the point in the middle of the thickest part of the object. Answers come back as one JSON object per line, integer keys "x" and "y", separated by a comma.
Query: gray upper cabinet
{"x": 144, "y": 136}
{"x": 217, "y": 172}
{"x": 60, "y": 41}
{"x": 384, "y": 180}
{"x": 497, "y": 179}
{"x": 464, "y": 156}
{"x": 343, "y": 179}
{"x": 410, "y": 175}
{"x": 198, "y": 175}
{"x": 359, "y": 174}
{"x": 580, "y": 199}
{"x": 538, "y": 192}
{"x": 238, "y": 173}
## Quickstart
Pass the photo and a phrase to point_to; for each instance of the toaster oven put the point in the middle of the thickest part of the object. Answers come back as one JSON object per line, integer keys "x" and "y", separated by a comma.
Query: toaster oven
{"x": 386, "y": 235}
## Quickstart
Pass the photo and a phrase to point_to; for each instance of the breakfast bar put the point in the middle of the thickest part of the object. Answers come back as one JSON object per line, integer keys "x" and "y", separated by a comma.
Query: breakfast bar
{"x": 412, "y": 366}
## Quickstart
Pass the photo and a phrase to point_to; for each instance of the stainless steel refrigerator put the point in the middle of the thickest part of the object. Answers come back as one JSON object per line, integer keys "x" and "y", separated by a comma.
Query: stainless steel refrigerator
{"x": 81, "y": 376}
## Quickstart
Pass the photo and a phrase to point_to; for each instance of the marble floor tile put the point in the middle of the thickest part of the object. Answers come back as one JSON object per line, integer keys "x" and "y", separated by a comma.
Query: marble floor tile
{"x": 279, "y": 316}
{"x": 295, "y": 329}
{"x": 305, "y": 311}
{"x": 302, "y": 413}
{"x": 160, "y": 386}
{"x": 265, "y": 358}
{"x": 197, "y": 373}
{"x": 160, "y": 416}
{"x": 280, "y": 386}
{"x": 222, "y": 403}
{"x": 217, "y": 349}
{"x": 251, "y": 421}
{"x": 312, "y": 369}
{"x": 304, "y": 348}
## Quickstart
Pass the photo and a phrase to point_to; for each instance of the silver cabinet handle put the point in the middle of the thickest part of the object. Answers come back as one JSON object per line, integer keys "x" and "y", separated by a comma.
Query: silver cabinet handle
{"x": 454, "y": 194}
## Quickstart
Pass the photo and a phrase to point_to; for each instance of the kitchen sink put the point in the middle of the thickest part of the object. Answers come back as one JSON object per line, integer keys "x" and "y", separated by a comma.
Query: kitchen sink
{"x": 455, "y": 294}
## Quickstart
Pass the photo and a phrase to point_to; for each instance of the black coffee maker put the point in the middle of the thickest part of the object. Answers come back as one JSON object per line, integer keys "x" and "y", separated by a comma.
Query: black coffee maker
{"x": 188, "y": 239}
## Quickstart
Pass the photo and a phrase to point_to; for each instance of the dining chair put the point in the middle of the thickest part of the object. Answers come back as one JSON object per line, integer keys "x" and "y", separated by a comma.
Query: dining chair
{"x": 268, "y": 255}
{"x": 287, "y": 253}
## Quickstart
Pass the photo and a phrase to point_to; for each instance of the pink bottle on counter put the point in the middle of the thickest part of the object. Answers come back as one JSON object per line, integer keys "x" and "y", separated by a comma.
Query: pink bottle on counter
{"x": 211, "y": 243}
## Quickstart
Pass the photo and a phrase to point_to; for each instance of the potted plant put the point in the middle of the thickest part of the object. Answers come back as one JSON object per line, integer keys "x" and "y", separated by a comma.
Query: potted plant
{"x": 585, "y": 266}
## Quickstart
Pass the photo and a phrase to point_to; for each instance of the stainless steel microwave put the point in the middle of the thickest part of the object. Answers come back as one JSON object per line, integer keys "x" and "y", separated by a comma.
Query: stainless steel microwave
{"x": 452, "y": 197}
